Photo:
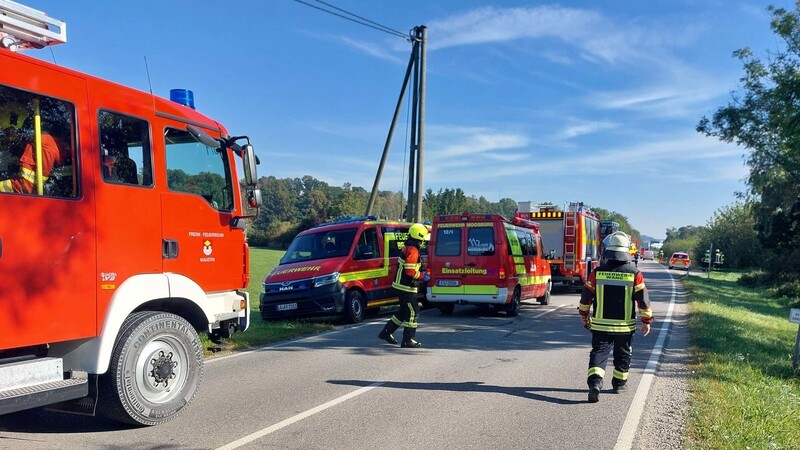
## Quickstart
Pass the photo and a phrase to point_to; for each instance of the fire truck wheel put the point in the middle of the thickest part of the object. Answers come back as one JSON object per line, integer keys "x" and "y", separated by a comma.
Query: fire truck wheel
{"x": 545, "y": 299}
{"x": 354, "y": 306}
{"x": 155, "y": 369}
{"x": 512, "y": 309}
{"x": 446, "y": 308}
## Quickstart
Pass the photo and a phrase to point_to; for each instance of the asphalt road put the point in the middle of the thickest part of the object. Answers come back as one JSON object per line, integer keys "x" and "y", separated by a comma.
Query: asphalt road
{"x": 483, "y": 380}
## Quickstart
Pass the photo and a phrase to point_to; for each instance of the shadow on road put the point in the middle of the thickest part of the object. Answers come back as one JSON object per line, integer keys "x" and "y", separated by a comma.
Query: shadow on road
{"x": 475, "y": 386}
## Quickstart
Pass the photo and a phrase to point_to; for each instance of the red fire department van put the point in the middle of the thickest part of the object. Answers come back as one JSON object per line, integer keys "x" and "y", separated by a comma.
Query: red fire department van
{"x": 343, "y": 267}
{"x": 121, "y": 237}
{"x": 486, "y": 259}
{"x": 571, "y": 239}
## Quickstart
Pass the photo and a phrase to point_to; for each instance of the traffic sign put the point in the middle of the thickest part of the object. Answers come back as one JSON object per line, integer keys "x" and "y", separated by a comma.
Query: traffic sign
{"x": 794, "y": 317}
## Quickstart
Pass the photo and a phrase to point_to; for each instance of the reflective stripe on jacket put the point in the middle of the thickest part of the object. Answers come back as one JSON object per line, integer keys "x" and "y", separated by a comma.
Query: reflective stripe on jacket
{"x": 614, "y": 288}
{"x": 408, "y": 273}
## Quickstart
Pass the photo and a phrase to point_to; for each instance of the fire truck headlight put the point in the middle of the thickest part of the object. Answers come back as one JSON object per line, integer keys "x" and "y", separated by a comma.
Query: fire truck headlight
{"x": 323, "y": 280}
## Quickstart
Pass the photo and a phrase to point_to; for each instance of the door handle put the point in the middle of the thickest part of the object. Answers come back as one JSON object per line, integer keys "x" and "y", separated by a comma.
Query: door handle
{"x": 471, "y": 264}
{"x": 169, "y": 248}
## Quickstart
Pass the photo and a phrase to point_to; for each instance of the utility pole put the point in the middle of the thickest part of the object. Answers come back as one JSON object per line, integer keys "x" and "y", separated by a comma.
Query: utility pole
{"x": 416, "y": 67}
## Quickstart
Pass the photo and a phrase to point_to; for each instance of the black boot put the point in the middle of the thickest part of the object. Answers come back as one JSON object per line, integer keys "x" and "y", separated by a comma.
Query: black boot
{"x": 618, "y": 385}
{"x": 408, "y": 338}
{"x": 386, "y": 333}
{"x": 595, "y": 385}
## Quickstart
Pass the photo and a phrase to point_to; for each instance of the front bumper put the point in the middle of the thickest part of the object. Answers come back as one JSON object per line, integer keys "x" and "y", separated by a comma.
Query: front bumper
{"x": 304, "y": 301}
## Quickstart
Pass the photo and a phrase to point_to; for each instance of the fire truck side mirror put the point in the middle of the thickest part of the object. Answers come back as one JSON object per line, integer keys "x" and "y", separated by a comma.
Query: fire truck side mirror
{"x": 249, "y": 163}
{"x": 254, "y": 198}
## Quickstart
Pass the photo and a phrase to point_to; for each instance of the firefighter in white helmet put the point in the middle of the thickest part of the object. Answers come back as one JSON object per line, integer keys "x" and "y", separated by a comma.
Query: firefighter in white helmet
{"x": 406, "y": 283}
{"x": 613, "y": 288}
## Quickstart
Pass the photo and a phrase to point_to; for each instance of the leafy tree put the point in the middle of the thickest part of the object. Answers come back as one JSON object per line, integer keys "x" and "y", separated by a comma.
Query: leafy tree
{"x": 732, "y": 230}
{"x": 765, "y": 119}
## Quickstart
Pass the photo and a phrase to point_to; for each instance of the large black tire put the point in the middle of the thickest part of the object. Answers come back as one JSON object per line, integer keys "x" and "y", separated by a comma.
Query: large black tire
{"x": 446, "y": 308}
{"x": 512, "y": 309}
{"x": 354, "y": 306}
{"x": 155, "y": 370}
{"x": 545, "y": 299}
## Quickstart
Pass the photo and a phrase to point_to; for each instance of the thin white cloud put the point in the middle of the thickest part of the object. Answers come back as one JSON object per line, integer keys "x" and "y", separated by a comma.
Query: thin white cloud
{"x": 372, "y": 49}
{"x": 580, "y": 128}
{"x": 586, "y": 29}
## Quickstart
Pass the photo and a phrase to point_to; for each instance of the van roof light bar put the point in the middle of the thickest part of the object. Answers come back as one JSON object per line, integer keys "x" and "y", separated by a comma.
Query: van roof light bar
{"x": 23, "y": 28}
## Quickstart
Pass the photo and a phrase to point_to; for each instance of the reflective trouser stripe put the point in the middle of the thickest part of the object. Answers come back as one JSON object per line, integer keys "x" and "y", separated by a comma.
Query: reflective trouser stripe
{"x": 596, "y": 371}
{"x": 620, "y": 375}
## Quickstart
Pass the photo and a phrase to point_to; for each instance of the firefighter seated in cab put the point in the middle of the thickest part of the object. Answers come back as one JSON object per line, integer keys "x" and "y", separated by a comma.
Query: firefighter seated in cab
{"x": 607, "y": 309}
{"x": 18, "y": 143}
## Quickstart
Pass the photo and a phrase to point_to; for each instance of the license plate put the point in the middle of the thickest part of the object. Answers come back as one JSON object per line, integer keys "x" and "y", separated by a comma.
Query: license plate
{"x": 447, "y": 283}
{"x": 286, "y": 307}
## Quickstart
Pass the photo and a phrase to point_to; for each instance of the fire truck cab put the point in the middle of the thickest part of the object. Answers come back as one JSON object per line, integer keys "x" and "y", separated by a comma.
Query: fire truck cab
{"x": 121, "y": 238}
{"x": 486, "y": 259}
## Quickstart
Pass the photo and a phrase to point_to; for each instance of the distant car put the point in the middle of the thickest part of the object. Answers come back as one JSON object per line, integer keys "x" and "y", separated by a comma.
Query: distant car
{"x": 680, "y": 260}
{"x": 647, "y": 254}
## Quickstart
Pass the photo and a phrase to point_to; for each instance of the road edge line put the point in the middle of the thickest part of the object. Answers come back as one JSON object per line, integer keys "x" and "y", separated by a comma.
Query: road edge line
{"x": 628, "y": 431}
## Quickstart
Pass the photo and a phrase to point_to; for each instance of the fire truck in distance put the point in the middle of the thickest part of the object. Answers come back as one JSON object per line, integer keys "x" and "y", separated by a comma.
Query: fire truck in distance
{"x": 121, "y": 238}
{"x": 571, "y": 239}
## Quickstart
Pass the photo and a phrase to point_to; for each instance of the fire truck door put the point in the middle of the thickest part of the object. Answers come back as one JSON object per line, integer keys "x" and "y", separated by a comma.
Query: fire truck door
{"x": 48, "y": 274}
{"x": 199, "y": 238}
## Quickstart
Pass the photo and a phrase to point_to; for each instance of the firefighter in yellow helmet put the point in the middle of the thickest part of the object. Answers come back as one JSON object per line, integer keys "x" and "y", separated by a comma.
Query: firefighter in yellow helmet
{"x": 613, "y": 288}
{"x": 406, "y": 284}
{"x": 54, "y": 152}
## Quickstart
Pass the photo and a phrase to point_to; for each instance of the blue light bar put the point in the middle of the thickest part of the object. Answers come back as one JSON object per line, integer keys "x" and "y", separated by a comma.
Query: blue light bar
{"x": 182, "y": 96}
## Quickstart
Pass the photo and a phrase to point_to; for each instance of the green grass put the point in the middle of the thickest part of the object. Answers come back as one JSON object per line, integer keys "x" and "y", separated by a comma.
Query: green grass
{"x": 261, "y": 332}
{"x": 743, "y": 392}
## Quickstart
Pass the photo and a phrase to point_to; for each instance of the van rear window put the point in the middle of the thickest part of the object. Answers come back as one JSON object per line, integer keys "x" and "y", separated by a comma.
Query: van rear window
{"x": 480, "y": 241}
{"x": 448, "y": 242}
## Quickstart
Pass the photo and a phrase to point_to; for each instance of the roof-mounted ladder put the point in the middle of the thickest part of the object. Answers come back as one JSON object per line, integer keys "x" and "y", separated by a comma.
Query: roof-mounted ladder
{"x": 24, "y": 28}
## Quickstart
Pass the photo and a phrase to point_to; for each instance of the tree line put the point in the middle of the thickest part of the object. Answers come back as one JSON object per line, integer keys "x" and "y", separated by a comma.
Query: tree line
{"x": 291, "y": 205}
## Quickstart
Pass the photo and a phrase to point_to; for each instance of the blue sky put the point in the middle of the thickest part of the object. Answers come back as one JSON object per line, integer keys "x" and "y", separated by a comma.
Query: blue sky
{"x": 535, "y": 101}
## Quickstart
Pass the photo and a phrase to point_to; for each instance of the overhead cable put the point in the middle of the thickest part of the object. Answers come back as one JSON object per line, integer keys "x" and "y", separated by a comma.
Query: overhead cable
{"x": 355, "y": 18}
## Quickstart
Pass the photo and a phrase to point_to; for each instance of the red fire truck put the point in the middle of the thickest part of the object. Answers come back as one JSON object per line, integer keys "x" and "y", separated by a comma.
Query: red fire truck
{"x": 121, "y": 237}
{"x": 571, "y": 238}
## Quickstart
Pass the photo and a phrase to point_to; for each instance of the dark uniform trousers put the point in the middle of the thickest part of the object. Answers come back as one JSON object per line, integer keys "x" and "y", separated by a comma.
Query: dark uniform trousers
{"x": 602, "y": 344}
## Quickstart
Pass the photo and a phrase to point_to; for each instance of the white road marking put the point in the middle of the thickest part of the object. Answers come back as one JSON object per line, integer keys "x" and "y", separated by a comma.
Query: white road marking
{"x": 285, "y": 423}
{"x": 628, "y": 431}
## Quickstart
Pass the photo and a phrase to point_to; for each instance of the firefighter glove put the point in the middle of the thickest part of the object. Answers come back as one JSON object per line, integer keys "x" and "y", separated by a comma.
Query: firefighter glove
{"x": 426, "y": 277}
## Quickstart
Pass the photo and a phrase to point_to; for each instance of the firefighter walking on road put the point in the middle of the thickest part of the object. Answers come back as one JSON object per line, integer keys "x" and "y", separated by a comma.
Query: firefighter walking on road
{"x": 406, "y": 283}
{"x": 613, "y": 288}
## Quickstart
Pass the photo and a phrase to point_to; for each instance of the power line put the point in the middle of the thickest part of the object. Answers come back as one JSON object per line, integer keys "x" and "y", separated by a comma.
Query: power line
{"x": 355, "y": 18}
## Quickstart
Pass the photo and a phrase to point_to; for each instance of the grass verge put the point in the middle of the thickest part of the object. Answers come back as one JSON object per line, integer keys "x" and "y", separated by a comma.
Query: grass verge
{"x": 261, "y": 332}
{"x": 743, "y": 392}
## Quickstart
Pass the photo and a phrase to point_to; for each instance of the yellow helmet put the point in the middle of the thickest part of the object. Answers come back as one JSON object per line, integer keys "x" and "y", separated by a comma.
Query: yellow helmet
{"x": 13, "y": 115}
{"x": 418, "y": 231}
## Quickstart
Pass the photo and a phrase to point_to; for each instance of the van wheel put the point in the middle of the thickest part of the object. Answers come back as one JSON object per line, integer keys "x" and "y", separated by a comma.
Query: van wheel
{"x": 155, "y": 369}
{"x": 354, "y": 306}
{"x": 446, "y": 308}
{"x": 512, "y": 310}
{"x": 545, "y": 299}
